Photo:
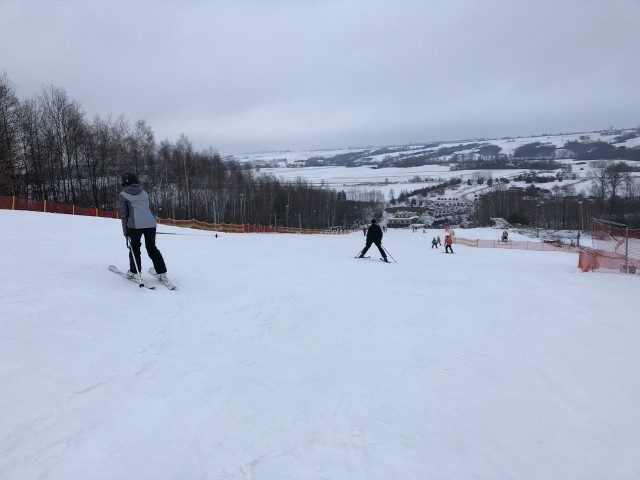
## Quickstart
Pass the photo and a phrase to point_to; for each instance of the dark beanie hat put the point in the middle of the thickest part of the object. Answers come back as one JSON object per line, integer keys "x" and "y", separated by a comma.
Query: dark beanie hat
{"x": 373, "y": 220}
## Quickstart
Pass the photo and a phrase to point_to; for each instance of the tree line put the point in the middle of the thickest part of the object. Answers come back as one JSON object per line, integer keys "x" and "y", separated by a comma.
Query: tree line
{"x": 49, "y": 150}
{"x": 614, "y": 195}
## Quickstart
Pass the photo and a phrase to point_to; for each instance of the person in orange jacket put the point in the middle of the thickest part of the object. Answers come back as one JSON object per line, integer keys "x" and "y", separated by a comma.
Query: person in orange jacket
{"x": 448, "y": 241}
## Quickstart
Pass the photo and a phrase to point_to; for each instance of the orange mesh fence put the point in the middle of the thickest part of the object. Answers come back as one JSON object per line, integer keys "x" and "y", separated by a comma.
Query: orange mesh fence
{"x": 242, "y": 228}
{"x": 615, "y": 247}
{"x": 52, "y": 207}
{"x": 15, "y": 203}
{"x": 6, "y": 203}
{"x": 89, "y": 212}
{"x": 518, "y": 245}
{"x": 592, "y": 259}
{"x": 107, "y": 214}
{"x": 30, "y": 205}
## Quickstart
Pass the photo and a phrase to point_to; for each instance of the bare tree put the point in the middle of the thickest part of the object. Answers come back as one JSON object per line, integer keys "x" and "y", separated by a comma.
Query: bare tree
{"x": 9, "y": 130}
{"x": 616, "y": 176}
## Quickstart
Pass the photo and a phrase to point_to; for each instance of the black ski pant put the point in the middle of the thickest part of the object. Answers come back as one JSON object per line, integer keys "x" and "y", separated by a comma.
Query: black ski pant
{"x": 448, "y": 249}
{"x": 378, "y": 244}
{"x": 135, "y": 237}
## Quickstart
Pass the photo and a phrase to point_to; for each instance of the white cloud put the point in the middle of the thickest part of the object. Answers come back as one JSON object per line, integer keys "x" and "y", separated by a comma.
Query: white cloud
{"x": 280, "y": 74}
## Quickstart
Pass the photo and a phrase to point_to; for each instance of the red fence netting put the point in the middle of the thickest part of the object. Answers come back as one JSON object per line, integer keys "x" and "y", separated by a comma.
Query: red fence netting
{"x": 15, "y": 203}
{"x": 518, "y": 245}
{"x": 615, "y": 247}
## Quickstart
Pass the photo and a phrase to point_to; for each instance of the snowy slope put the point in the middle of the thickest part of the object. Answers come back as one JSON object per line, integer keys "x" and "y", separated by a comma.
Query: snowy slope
{"x": 283, "y": 357}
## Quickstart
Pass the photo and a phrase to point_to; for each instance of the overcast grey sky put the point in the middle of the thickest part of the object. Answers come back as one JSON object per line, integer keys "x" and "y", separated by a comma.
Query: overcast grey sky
{"x": 250, "y": 75}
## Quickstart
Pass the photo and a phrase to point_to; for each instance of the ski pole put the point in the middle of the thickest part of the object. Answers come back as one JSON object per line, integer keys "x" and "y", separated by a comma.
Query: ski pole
{"x": 359, "y": 253}
{"x": 140, "y": 284}
{"x": 389, "y": 254}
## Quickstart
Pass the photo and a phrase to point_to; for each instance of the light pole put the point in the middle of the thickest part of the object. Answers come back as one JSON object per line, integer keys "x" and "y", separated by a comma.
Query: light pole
{"x": 581, "y": 223}
{"x": 581, "y": 218}
{"x": 538, "y": 220}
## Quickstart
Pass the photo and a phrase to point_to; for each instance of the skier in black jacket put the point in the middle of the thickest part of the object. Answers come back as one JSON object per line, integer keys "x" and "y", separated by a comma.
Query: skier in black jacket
{"x": 374, "y": 235}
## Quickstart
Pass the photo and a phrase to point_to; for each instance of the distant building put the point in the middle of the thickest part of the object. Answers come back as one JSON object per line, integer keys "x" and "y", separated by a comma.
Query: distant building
{"x": 446, "y": 207}
{"x": 402, "y": 219}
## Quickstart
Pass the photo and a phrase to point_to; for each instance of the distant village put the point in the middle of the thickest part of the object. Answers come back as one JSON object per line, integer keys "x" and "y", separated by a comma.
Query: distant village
{"x": 437, "y": 211}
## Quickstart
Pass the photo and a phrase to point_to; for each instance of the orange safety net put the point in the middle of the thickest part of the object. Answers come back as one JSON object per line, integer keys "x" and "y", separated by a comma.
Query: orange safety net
{"x": 615, "y": 247}
{"x": 518, "y": 245}
{"x": 29, "y": 205}
{"x": 15, "y": 203}
{"x": 6, "y": 203}
{"x": 592, "y": 259}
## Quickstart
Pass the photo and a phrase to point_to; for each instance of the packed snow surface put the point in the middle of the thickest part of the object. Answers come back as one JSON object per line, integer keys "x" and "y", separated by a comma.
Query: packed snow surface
{"x": 283, "y": 357}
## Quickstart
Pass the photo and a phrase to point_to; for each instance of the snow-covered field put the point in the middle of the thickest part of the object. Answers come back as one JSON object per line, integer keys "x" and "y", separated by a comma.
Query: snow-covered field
{"x": 508, "y": 146}
{"x": 283, "y": 357}
{"x": 398, "y": 179}
{"x": 386, "y": 179}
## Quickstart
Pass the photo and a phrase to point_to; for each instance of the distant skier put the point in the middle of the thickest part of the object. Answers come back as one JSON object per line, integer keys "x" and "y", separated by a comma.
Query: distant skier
{"x": 138, "y": 221}
{"x": 374, "y": 236}
{"x": 505, "y": 236}
{"x": 439, "y": 241}
{"x": 448, "y": 241}
{"x": 434, "y": 243}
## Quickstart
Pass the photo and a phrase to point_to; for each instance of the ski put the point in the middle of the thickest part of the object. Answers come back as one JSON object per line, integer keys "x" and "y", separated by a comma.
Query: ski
{"x": 166, "y": 283}
{"x": 363, "y": 257}
{"x": 115, "y": 270}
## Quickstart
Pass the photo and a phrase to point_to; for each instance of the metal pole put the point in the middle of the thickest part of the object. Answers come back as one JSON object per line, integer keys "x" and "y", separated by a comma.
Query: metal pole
{"x": 626, "y": 249}
{"x": 626, "y": 239}
{"x": 389, "y": 254}
{"x": 581, "y": 219}
{"x": 140, "y": 284}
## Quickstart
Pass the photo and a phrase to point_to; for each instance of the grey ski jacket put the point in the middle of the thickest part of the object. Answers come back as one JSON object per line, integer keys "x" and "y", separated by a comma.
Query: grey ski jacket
{"x": 134, "y": 209}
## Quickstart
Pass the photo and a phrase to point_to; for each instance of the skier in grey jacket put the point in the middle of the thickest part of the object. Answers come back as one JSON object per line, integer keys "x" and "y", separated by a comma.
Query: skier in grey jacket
{"x": 138, "y": 221}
